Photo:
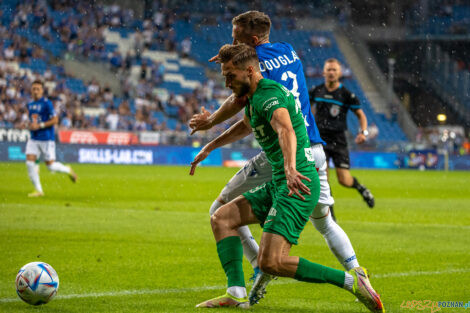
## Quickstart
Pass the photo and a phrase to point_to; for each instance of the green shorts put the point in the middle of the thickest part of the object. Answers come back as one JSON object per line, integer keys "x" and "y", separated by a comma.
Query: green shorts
{"x": 279, "y": 213}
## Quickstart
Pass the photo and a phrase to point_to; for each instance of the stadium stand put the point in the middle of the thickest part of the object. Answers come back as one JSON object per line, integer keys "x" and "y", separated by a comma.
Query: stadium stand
{"x": 443, "y": 18}
{"x": 161, "y": 88}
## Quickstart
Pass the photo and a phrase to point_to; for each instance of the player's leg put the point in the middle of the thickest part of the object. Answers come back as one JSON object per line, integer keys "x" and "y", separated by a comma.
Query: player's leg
{"x": 32, "y": 154}
{"x": 342, "y": 164}
{"x": 335, "y": 237}
{"x": 225, "y": 223}
{"x": 275, "y": 260}
{"x": 256, "y": 172}
{"x": 321, "y": 218}
{"x": 56, "y": 166}
{"x": 282, "y": 228}
{"x": 326, "y": 173}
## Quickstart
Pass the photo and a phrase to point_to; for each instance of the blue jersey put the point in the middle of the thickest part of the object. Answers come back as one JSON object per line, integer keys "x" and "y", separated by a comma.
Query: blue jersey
{"x": 43, "y": 110}
{"x": 279, "y": 62}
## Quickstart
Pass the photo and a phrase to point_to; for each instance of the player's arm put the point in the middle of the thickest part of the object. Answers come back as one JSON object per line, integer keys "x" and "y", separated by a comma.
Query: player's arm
{"x": 204, "y": 120}
{"x": 355, "y": 106}
{"x": 361, "y": 116}
{"x": 282, "y": 125}
{"x": 35, "y": 125}
{"x": 236, "y": 132}
{"x": 51, "y": 122}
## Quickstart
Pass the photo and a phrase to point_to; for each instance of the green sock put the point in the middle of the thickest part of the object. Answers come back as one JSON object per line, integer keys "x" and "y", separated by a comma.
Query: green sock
{"x": 317, "y": 273}
{"x": 230, "y": 252}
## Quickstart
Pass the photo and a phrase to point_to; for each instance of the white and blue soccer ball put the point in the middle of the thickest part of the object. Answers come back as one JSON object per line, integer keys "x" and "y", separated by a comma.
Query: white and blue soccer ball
{"x": 37, "y": 283}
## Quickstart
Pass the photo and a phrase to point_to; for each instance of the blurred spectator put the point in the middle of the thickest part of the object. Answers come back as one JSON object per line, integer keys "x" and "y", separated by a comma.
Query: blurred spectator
{"x": 112, "y": 119}
{"x": 116, "y": 61}
{"x": 320, "y": 41}
{"x": 186, "y": 47}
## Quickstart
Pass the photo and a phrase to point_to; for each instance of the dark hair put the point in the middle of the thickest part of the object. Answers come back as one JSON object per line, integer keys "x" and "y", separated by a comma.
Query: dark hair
{"x": 253, "y": 23}
{"x": 239, "y": 54}
{"x": 39, "y": 82}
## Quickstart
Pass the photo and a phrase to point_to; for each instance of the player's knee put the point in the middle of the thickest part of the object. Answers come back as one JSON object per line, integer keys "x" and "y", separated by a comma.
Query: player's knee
{"x": 269, "y": 264}
{"x": 219, "y": 221}
{"x": 321, "y": 218}
{"x": 321, "y": 224}
{"x": 215, "y": 221}
{"x": 342, "y": 180}
{"x": 216, "y": 205}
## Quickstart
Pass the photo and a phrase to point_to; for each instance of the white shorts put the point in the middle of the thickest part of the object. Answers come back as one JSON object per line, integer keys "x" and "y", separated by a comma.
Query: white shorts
{"x": 38, "y": 147}
{"x": 258, "y": 171}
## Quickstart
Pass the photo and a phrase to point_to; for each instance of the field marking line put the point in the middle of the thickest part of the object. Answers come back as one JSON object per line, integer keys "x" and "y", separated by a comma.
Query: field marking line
{"x": 205, "y": 288}
{"x": 466, "y": 227}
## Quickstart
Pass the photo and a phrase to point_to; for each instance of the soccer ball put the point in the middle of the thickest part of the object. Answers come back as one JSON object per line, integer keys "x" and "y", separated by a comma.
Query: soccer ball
{"x": 37, "y": 283}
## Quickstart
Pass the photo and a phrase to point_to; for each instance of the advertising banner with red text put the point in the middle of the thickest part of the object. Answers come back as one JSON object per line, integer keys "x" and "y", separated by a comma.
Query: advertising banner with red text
{"x": 98, "y": 137}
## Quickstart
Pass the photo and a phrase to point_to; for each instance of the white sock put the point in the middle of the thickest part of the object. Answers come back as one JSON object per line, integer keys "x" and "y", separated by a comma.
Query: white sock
{"x": 34, "y": 175}
{"x": 59, "y": 167}
{"x": 335, "y": 237}
{"x": 250, "y": 247}
{"x": 215, "y": 205}
{"x": 237, "y": 291}
{"x": 348, "y": 281}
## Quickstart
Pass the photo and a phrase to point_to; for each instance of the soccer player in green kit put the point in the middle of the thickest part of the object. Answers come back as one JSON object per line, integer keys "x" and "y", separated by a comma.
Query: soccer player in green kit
{"x": 282, "y": 206}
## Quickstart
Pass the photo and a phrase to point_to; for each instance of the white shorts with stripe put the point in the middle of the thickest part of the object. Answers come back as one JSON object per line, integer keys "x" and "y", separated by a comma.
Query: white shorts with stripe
{"x": 258, "y": 171}
{"x": 38, "y": 147}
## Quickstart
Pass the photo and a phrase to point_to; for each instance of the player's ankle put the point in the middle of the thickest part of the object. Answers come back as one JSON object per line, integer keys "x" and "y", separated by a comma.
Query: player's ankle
{"x": 237, "y": 291}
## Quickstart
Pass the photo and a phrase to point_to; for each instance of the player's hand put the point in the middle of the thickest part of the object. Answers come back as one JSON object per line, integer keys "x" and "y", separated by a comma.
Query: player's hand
{"x": 34, "y": 126}
{"x": 200, "y": 121}
{"x": 295, "y": 184}
{"x": 360, "y": 138}
{"x": 215, "y": 59}
{"x": 201, "y": 156}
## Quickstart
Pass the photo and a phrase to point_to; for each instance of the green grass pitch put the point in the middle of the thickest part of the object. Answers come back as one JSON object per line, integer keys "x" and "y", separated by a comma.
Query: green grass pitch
{"x": 137, "y": 239}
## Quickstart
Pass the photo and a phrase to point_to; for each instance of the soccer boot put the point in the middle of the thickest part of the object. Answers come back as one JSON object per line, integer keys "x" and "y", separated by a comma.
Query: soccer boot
{"x": 363, "y": 290}
{"x": 256, "y": 272}
{"x": 35, "y": 194}
{"x": 368, "y": 197}
{"x": 227, "y": 300}
{"x": 258, "y": 290}
{"x": 72, "y": 175}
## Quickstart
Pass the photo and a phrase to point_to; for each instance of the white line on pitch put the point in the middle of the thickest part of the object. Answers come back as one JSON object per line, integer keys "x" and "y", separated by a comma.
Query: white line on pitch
{"x": 398, "y": 224}
{"x": 204, "y": 288}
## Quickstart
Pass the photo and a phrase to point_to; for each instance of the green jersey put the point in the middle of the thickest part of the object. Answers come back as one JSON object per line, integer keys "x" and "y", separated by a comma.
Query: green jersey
{"x": 268, "y": 97}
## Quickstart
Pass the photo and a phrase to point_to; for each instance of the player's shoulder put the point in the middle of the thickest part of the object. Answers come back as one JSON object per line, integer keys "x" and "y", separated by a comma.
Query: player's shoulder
{"x": 285, "y": 45}
{"x": 269, "y": 91}
{"x": 280, "y": 46}
{"x": 346, "y": 92}
{"x": 47, "y": 102}
{"x": 345, "y": 89}
{"x": 271, "y": 86}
